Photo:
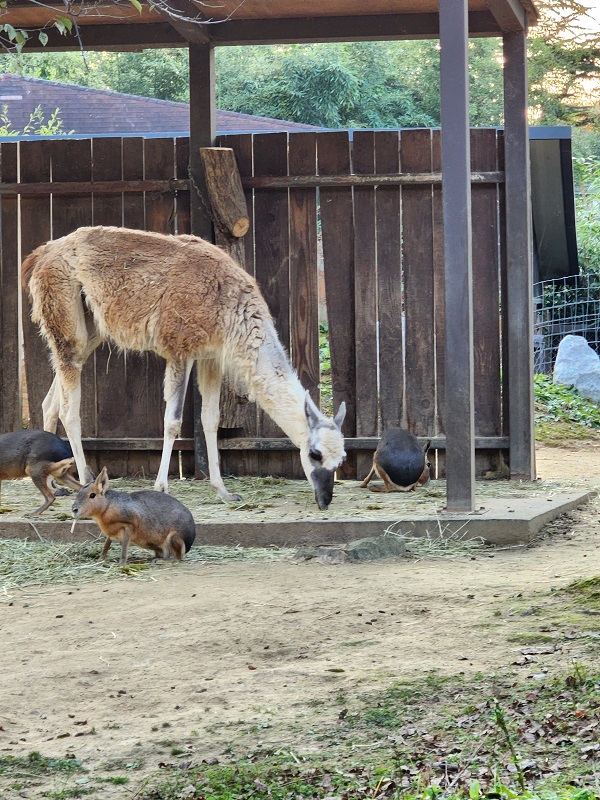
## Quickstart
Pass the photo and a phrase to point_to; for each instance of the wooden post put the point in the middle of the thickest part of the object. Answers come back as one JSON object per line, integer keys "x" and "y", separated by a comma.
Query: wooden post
{"x": 518, "y": 259}
{"x": 456, "y": 190}
{"x": 203, "y": 115}
{"x": 227, "y": 200}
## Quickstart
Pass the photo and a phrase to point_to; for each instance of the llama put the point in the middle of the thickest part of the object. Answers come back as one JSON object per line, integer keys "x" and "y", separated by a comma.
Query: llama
{"x": 186, "y": 300}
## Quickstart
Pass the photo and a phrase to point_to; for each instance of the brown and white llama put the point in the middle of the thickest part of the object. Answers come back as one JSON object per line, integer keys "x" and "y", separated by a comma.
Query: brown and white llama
{"x": 187, "y": 300}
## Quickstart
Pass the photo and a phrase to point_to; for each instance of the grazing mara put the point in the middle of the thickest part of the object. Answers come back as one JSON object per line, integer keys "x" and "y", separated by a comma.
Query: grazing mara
{"x": 187, "y": 300}
{"x": 41, "y": 456}
{"x": 400, "y": 462}
{"x": 152, "y": 520}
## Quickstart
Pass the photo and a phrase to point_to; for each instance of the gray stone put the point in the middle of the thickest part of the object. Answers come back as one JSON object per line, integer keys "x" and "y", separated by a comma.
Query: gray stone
{"x": 369, "y": 549}
{"x": 578, "y": 365}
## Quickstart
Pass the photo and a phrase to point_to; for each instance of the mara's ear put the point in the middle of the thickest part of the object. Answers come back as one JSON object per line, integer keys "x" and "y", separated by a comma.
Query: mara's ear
{"x": 426, "y": 446}
{"x": 89, "y": 477}
{"x": 313, "y": 415}
{"x": 102, "y": 482}
{"x": 341, "y": 415}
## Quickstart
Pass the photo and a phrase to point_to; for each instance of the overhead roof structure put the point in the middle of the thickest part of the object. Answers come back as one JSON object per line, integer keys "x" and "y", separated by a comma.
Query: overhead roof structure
{"x": 120, "y": 25}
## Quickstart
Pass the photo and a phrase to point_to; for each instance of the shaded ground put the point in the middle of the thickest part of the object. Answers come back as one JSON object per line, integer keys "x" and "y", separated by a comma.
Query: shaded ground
{"x": 222, "y": 660}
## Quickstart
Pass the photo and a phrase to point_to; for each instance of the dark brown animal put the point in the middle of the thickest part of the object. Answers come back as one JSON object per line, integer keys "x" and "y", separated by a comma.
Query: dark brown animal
{"x": 153, "y": 520}
{"x": 400, "y": 462}
{"x": 187, "y": 300}
{"x": 38, "y": 455}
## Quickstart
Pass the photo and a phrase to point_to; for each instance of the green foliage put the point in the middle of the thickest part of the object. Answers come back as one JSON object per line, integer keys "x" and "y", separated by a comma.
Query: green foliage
{"x": 37, "y": 125}
{"x": 557, "y": 403}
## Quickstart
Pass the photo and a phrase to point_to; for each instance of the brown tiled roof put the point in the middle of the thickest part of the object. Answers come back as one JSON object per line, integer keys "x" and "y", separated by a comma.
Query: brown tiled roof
{"x": 94, "y": 112}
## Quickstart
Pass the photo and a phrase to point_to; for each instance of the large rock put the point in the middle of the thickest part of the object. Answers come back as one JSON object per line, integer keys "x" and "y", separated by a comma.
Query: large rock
{"x": 578, "y": 365}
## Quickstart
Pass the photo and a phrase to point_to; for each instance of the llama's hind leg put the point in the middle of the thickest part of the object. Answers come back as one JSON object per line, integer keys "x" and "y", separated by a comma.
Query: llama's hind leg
{"x": 70, "y": 414}
{"x": 210, "y": 376}
{"x": 177, "y": 374}
{"x": 51, "y": 407}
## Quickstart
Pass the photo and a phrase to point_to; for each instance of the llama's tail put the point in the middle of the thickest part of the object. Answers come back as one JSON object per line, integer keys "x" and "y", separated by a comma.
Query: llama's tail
{"x": 28, "y": 267}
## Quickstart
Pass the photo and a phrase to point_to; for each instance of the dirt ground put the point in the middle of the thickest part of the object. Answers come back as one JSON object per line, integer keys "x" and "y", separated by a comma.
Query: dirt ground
{"x": 224, "y": 658}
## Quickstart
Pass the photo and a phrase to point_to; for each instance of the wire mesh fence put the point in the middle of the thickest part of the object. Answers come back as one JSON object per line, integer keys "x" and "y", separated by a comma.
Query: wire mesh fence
{"x": 564, "y": 306}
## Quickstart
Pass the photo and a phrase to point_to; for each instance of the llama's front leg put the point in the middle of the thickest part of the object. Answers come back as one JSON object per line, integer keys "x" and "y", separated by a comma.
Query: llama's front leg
{"x": 209, "y": 384}
{"x": 177, "y": 375}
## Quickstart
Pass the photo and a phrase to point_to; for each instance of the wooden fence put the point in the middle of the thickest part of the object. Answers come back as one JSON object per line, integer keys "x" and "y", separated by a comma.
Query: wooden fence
{"x": 366, "y": 211}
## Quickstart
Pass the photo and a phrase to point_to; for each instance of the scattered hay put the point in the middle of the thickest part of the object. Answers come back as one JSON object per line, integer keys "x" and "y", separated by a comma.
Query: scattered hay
{"x": 273, "y": 499}
{"x": 440, "y": 543}
{"x": 25, "y": 564}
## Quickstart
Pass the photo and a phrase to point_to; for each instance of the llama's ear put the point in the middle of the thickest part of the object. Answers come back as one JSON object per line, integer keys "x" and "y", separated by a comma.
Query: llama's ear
{"x": 341, "y": 415}
{"x": 313, "y": 415}
{"x": 102, "y": 482}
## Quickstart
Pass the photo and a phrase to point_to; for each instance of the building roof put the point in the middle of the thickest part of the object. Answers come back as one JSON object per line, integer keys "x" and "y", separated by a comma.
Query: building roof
{"x": 97, "y": 112}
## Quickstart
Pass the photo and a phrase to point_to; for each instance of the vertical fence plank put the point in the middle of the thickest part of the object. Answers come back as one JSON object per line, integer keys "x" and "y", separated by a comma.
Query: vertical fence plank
{"x": 486, "y": 294}
{"x": 503, "y": 293}
{"x": 417, "y": 263}
{"x": 439, "y": 306}
{"x": 10, "y": 395}
{"x": 35, "y": 230}
{"x": 72, "y": 161}
{"x": 304, "y": 278}
{"x": 113, "y": 414}
{"x": 337, "y": 219}
{"x": 159, "y": 163}
{"x": 240, "y": 462}
{"x": 389, "y": 279}
{"x": 182, "y": 199}
{"x": 365, "y": 297}
{"x": 271, "y": 220}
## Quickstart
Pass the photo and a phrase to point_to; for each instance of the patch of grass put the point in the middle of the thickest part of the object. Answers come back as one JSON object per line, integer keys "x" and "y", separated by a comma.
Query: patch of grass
{"x": 35, "y": 764}
{"x": 585, "y": 592}
{"x": 531, "y": 638}
{"x": 562, "y": 414}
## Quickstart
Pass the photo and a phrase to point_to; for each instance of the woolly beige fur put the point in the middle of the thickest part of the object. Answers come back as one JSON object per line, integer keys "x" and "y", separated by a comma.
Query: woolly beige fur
{"x": 178, "y": 296}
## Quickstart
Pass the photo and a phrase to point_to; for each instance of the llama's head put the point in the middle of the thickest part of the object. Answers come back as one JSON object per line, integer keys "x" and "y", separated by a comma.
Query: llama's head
{"x": 324, "y": 451}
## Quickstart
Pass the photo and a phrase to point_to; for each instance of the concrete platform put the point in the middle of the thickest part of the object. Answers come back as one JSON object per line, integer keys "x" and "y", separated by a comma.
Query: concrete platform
{"x": 499, "y": 521}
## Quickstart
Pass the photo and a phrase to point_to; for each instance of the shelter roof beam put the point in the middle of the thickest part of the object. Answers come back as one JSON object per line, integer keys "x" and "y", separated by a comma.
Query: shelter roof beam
{"x": 509, "y": 14}
{"x": 187, "y": 20}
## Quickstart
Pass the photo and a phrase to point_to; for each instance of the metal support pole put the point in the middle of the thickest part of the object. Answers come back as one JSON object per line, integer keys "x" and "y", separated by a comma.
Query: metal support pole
{"x": 203, "y": 116}
{"x": 519, "y": 279}
{"x": 456, "y": 191}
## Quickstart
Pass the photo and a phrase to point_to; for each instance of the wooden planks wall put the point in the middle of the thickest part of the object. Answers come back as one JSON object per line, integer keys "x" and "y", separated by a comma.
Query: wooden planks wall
{"x": 382, "y": 266}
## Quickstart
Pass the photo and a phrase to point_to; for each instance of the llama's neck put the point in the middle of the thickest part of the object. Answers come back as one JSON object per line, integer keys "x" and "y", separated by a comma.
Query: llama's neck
{"x": 277, "y": 389}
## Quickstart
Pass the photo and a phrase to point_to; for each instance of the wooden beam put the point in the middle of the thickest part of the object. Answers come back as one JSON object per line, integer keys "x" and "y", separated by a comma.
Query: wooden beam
{"x": 456, "y": 193}
{"x": 263, "y": 444}
{"x": 187, "y": 21}
{"x": 383, "y": 27}
{"x": 203, "y": 131}
{"x": 509, "y": 14}
{"x": 137, "y": 36}
{"x": 117, "y": 38}
{"x": 518, "y": 259}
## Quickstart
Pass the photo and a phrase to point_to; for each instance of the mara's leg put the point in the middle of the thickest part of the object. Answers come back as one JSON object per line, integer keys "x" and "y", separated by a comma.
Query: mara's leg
{"x": 210, "y": 376}
{"x": 365, "y": 483}
{"x": 177, "y": 375}
{"x": 51, "y": 407}
{"x": 124, "y": 545}
{"x": 40, "y": 477}
{"x": 106, "y": 548}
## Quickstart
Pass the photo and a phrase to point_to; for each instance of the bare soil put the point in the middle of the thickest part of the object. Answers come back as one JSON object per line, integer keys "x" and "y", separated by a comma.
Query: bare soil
{"x": 220, "y": 659}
